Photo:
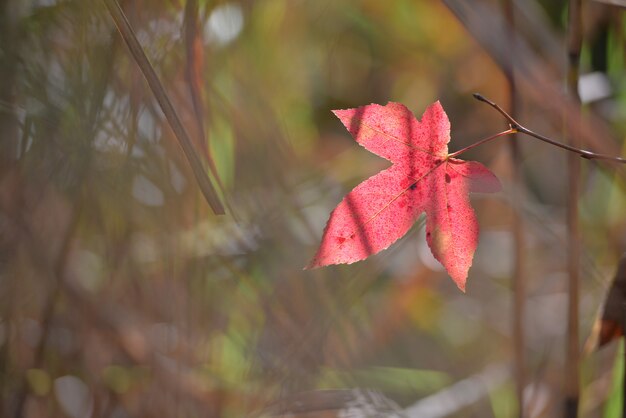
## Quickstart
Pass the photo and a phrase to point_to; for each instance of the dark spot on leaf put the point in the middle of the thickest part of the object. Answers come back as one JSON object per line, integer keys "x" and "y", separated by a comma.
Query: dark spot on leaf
{"x": 341, "y": 240}
{"x": 448, "y": 179}
{"x": 413, "y": 186}
{"x": 428, "y": 235}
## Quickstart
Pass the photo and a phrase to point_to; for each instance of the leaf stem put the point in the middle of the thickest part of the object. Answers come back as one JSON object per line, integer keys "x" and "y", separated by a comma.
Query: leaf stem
{"x": 482, "y": 141}
{"x": 517, "y": 127}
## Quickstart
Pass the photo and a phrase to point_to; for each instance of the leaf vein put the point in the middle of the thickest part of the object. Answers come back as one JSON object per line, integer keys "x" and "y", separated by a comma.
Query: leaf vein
{"x": 398, "y": 140}
{"x": 396, "y": 197}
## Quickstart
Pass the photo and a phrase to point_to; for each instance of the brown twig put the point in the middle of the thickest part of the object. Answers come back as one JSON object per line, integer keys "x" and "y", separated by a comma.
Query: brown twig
{"x": 509, "y": 131}
{"x": 162, "y": 98}
{"x": 517, "y": 127}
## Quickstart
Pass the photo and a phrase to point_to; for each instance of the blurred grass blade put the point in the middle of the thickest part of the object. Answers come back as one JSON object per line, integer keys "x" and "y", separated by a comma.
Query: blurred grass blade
{"x": 194, "y": 76}
{"x": 454, "y": 398}
{"x": 614, "y": 403}
{"x": 193, "y": 72}
{"x": 140, "y": 57}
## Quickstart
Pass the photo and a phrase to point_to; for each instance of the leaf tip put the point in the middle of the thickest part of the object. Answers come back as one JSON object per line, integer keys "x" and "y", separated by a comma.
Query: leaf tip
{"x": 459, "y": 280}
{"x": 436, "y": 104}
{"x": 459, "y": 276}
{"x": 313, "y": 264}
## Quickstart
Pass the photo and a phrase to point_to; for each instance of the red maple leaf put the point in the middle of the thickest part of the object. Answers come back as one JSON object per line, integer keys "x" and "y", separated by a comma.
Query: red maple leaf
{"x": 423, "y": 178}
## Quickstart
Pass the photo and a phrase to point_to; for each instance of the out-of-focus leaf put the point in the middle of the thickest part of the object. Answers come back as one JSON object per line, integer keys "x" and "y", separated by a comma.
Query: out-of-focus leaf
{"x": 392, "y": 379}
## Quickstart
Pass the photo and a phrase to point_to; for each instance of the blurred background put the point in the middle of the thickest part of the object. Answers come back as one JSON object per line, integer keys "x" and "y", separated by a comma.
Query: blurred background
{"x": 123, "y": 295}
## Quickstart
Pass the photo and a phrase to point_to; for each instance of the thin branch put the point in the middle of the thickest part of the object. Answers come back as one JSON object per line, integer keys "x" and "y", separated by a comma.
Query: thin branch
{"x": 482, "y": 141}
{"x": 572, "y": 363}
{"x": 517, "y": 127}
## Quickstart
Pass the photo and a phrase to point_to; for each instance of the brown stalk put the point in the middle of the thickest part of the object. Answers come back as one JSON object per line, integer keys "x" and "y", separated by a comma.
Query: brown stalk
{"x": 162, "y": 98}
{"x": 193, "y": 72}
{"x": 519, "y": 290}
{"x": 194, "y": 69}
{"x": 8, "y": 70}
{"x": 572, "y": 373}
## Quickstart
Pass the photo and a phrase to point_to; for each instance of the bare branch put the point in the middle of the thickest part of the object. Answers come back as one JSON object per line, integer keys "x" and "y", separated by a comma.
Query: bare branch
{"x": 516, "y": 126}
